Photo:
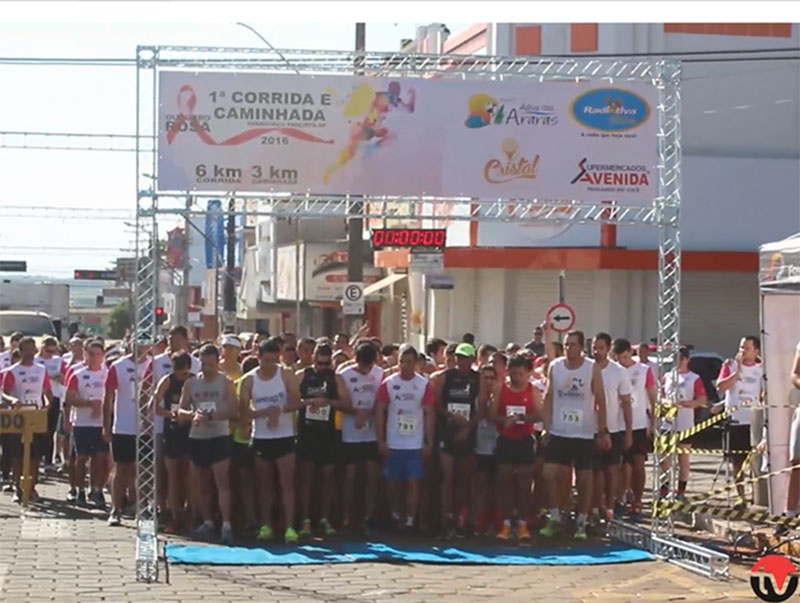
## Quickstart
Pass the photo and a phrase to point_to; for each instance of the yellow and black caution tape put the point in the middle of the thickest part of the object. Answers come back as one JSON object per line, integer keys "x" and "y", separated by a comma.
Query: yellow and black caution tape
{"x": 709, "y": 451}
{"x": 745, "y": 515}
{"x": 745, "y": 464}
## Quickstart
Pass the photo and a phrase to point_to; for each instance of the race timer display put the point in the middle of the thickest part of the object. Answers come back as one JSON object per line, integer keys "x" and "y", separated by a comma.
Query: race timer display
{"x": 430, "y": 238}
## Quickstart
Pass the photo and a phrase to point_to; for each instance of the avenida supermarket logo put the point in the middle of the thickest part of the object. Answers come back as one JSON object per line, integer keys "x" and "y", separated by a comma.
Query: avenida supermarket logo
{"x": 610, "y": 110}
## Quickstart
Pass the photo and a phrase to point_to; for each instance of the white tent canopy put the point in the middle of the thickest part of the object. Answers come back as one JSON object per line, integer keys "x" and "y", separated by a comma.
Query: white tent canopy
{"x": 779, "y": 284}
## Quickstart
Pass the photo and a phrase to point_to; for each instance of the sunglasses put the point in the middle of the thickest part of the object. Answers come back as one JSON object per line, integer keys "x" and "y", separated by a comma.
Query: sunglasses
{"x": 323, "y": 364}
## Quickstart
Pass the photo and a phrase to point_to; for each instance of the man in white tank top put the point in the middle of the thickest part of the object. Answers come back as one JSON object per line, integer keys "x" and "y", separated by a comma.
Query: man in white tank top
{"x": 360, "y": 385}
{"x": 271, "y": 395}
{"x": 574, "y": 403}
{"x": 742, "y": 382}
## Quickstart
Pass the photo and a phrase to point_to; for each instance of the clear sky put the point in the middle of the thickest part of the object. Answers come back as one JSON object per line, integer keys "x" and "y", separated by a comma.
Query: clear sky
{"x": 102, "y": 100}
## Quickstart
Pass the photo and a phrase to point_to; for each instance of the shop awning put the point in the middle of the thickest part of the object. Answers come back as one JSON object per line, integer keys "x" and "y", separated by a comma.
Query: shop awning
{"x": 383, "y": 283}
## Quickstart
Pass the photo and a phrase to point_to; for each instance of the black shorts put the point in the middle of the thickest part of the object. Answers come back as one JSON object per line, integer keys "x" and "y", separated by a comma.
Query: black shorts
{"x": 273, "y": 449}
{"x": 641, "y": 446}
{"x": 458, "y": 449}
{"x": 53, "y": 413}
{"x": 89, "y": 440}
{"x": 487, "y": 463}
{"x": 738, "y": 439}
{"x": 176, "y": 445}
{"x": 242, "y": 455}
{"x": 205, "y": 453}
{"x": 570, "y": 451}
{"x": 359, "y": 452}
{"x": 515, "y": 452}
{"x": 613, "y": 456}
{"x": 123, "y": 448}
{"x": 13, "y": 446}
{"x": 322, "y": 450}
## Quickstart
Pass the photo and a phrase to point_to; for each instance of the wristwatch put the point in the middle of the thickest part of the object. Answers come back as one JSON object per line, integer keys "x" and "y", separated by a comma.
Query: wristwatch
{"x": 603, "y": 432}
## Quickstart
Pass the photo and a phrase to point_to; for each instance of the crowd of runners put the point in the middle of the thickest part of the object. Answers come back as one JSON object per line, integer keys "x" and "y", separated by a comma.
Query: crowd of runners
{"x": 284, "y": 436}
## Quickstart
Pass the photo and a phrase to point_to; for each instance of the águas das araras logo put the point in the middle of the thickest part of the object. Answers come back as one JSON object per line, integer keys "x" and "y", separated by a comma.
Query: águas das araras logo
{"x": 514, "y": 165}
{"x": 774, "y": 578}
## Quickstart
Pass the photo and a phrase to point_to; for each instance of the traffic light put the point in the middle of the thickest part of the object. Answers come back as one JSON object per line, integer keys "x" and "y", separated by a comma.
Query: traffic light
{"x": 161, "y": 316}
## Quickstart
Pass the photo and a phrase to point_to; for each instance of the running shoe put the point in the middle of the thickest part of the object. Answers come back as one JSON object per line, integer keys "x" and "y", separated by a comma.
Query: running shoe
{"x": 81, "y": 499}
{"x": 522, "y": 531}
{"x": 305, "y": 530}
{"x": 98, "y": 499}
{"x": 265, "y": 533}
{"x": 553, "y": 528}
{"x": 505, "y": 532}
{"x": 226, "y": 536}
{"x": 204, "y": 532}
{"x": 290, "y": 536}
{"x": 17, "y": 496}
{"x": 326, "y": 527}
{"x": 580, "y": 533}
{"x": 115, "y": 519}
{"x": 71, "y": 495}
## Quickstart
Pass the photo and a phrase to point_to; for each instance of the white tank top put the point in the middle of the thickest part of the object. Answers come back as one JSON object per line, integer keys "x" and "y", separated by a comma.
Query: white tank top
{"x": 122, "y": 376}
{"x": 405, "y": 418}
{"x": 267, "y": 393}
{"x": 28, "y": 383}
{"x": 640, "y": 401}
{"x": 55, "y": 366}
{"x": 573, "y": 401}
{"x": 616, "y": 383}
{"x": 362, "y": 390}
{"x": 91, "y": 386}
{"x": 746, "y": 389}
{"x": 685, "y": 386}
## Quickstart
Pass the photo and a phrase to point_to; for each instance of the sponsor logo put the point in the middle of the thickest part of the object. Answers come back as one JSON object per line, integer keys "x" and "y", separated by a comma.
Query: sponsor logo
{"x": 773, "y": 578}
{"x": 779, "y": 270}
{"x": 513, "y": 166}
{"x": 484, "y": 110}
{"x": 610, "y": 110}
{"x": 611, "y": 177}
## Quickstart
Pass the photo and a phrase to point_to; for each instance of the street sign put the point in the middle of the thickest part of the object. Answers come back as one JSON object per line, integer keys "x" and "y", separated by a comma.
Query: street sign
{"x": 195, "y": 319}
{"x": 96, "y": 275}
{"x": 426, "y": 262}
{"x": 439, "y": 281}
{"x": 13, "y": 266}
{"x": 353, "y": 299}
{"x": 561, "y": 318}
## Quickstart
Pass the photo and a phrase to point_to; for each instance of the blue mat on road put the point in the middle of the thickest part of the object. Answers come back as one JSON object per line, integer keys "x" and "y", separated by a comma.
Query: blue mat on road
{"x": 351, "y": 552}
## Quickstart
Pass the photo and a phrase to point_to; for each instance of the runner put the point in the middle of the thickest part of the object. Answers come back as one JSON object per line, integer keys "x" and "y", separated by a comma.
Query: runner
{"x": 56, "y": 370}
{"x": 483, "y": 484}
{"x": 519, "y": 406}
{"x": 6, "y": 357}
{"x": 288, "y": 343}
{"x": 456, "y": 393}
{"x": 176, "y": 438}
{"x": 359, "y": 439}
{"x": 742, "y": 382}
{"x": 574, "y": 399}
{"x": 120, "y": 399}
{"x": 75, "y": 361}
{"x": 341, "y": 343}
{"x": 485, "y": 352}
{"x": 85, "y": 393}
{"x": 272, "y": 396}
{"x": 405, "y": 421}
{"x": 643, "y": 356}
{"x": 390, "y": 353}
{"x": 608, "y": 464}
{"x": 643, "y": 417}
{"x": 317, "y": 445}
{"x": 209, "y": 399}
{"x": 305, "y": 353}
{"x": 29, "y": 384}
{"x": 435, "y": 350}
{"x": 691, "y": 394}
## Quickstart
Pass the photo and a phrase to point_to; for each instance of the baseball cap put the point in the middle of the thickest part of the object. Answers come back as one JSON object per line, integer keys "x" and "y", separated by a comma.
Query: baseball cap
{"x": 232, "y": 340}
{"x": 465, "y": 349}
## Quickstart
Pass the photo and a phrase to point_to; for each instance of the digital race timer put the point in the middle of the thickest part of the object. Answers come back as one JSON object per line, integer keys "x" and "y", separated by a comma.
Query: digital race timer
{"x": 431, "y": 238}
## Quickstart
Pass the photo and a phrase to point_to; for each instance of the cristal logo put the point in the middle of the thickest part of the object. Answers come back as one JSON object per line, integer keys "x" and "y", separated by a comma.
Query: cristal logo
{"x": 610, "y": 110}
{"x": 611, "y": 174}
{"x": 773, "y": 578}
{"x": 513, "y": 166}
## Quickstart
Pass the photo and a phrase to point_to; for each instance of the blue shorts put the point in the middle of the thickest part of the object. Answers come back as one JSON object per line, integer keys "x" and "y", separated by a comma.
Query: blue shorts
{"x": 403, "y": 465}
{"x": 89, "y": 440}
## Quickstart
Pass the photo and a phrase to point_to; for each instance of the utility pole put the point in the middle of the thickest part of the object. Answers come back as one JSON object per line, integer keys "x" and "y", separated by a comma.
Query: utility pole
{"x": 355, "y": 226}
{"x": 183, "y": 303}
{"x": 229, "y": 304}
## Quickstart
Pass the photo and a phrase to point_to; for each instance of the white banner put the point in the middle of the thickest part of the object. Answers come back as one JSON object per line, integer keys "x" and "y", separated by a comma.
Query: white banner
{"x": 238, "y": 132}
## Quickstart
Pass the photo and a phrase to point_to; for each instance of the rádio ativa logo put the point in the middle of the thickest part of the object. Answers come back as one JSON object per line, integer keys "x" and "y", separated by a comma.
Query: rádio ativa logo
{"x": 773, "y": 578}
{"x": 610, "y": 110}
{"x": 485, "y": 110}
{"x": 513, "y": 166}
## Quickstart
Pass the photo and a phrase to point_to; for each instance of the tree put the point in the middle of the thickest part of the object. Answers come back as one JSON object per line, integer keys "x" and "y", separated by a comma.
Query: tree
{"x": 119, "y": 320}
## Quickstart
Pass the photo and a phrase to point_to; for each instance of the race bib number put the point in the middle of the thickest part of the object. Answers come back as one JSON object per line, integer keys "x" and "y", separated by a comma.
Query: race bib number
{"x": 515, "y": 410}
{"x": 208, "y": 406}
{"x": 408, "y": 424}
{"x": 459, "y": 408}
{"x": 572, "y": 417}
{"x": 318, "y": 414}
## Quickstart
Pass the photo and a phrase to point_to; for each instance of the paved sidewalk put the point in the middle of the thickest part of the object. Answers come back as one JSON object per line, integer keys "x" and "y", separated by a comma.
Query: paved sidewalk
{"x": 60, "y": 553}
